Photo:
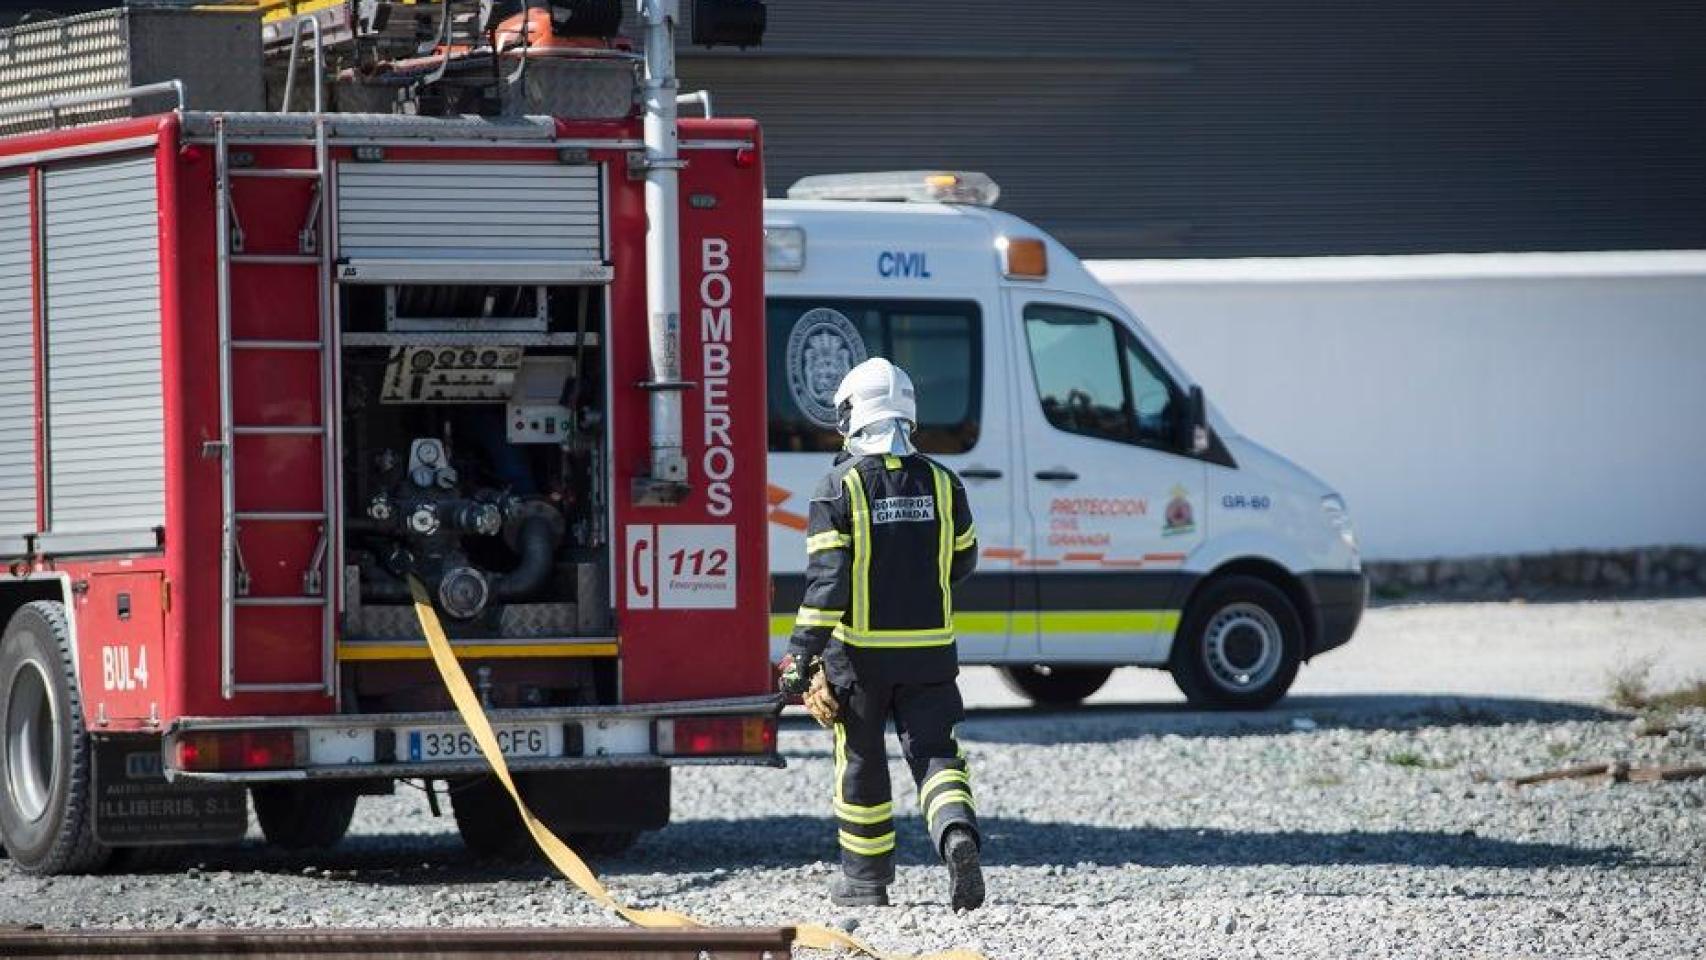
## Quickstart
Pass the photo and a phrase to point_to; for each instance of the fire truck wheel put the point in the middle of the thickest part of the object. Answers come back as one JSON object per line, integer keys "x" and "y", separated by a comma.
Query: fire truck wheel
{"x": 486, "y": 818}
{"x": 303, "y": 816}
{"x": 611, "y": 844}
{"x": 1239, "y": 645}
{"x": 1055, "y": 686}
{"x": 46, "y": 795}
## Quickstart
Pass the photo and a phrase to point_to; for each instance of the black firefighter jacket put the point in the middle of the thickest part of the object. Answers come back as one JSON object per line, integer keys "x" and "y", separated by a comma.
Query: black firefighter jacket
{"x": 887, "y": 538}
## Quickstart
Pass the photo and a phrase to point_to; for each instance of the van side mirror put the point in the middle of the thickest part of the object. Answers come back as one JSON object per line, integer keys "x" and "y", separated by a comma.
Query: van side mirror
{"x": 1197, "y": 422}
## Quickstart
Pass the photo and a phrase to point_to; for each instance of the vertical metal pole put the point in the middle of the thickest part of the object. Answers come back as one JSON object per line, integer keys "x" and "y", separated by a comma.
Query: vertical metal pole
{"x": 319, "y": 63}
{"x": 319, "y": 67}
{"x": 663, "y": 240}
{"x": 330, "y": 412}
{"x": 227, "y": 452}
{"x": 290, "y": 66}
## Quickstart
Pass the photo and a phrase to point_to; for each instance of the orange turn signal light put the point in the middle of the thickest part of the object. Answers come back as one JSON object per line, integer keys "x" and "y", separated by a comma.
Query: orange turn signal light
{"x": 1023, "y": 258}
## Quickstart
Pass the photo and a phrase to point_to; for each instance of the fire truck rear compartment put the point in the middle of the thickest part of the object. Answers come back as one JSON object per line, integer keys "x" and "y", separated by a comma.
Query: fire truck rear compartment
{"x": 472, "y": 458}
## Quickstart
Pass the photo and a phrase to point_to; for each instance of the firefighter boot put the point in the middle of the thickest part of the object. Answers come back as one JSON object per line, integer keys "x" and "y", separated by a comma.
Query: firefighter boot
{"x": 965, "y": 872}
{"x": 844, "y": 891}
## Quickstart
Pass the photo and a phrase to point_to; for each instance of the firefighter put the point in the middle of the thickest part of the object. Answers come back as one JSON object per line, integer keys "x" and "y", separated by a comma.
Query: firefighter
{"x": 889, "y": 534}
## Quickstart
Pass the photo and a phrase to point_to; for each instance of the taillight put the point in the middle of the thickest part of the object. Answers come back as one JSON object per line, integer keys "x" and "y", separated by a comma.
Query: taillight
{"x": 241, "y": 750}
{"x": 716, "y": 736}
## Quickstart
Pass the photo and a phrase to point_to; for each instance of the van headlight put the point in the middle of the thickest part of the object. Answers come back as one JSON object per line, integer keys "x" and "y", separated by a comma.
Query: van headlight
{"x": 1333, "y": 506}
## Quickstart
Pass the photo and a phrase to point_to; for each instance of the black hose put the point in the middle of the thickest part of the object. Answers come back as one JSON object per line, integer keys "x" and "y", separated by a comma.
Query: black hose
{"x": 537, "y": 542}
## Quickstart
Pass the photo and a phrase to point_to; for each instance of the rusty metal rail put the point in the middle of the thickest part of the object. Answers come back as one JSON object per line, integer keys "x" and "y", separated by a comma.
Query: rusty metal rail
{"x": 513, "y": 943}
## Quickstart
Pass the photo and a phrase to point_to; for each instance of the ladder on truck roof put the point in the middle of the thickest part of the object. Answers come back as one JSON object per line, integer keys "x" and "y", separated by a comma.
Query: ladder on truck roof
{"x": 266, "y": 520}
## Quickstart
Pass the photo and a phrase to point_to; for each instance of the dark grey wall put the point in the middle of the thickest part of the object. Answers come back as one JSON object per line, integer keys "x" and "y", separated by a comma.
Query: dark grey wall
{"x": 1243, "y": 127}
{"x": 1207, "y": 128}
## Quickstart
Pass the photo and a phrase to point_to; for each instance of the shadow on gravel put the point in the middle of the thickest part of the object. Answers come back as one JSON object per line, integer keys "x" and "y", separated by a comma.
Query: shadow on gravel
{"x": 705, "y": 845}
{"x": 781, "y": 841}
{"x": 1103, "y": 723}
{"x": 702, "y": 846}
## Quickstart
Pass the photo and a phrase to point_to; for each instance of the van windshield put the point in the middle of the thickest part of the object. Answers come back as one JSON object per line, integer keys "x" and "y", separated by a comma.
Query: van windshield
{"x": 811, "y": 343}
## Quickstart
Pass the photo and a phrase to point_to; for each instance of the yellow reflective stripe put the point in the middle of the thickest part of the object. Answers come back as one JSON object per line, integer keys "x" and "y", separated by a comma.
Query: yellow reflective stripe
{"x": 947, "y": 797}
{"x": 1062, "y": 621}
{"x": 814, "y": 617}
{"x": 902, "y": 634}
{"x": 893, "y": 638}
{"x": 943, "y": 776}
{"x": 861, "y": 548}
{"x": 853, "y": 813}
{"x": 866, "y": 846}
{"x": 891, "y": 461}
{"x": 967, "y": 540}
{"x": 945, "y": 532}
{"x": 840, "y": 758}
{"x": 1068, "y": 621}
{"x": 827, "y": 540}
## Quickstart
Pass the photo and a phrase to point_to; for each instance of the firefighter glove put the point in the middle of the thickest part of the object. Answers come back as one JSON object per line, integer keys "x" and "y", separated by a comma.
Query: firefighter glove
{"x": 794, "y": 679}
{"x": 820, "y": 699}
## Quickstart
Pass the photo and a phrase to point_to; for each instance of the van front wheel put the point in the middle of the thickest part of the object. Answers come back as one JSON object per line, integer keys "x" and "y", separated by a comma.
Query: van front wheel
{"x": 1239, "y": 645}
{"x": 1048, "y": 686}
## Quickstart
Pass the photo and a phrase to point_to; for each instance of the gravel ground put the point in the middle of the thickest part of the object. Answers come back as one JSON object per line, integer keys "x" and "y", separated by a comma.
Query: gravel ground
{"x": 1340, "y": 825}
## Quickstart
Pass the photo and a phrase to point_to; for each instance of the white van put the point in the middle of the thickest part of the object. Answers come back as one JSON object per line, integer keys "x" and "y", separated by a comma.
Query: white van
{"x": 1122, "y": 521}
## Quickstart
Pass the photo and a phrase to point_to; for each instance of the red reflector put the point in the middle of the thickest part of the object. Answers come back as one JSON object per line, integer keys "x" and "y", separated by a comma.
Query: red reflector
{"x": 746, "y": 158}
{"x": 239, "y": 750}
{"x": 717, "y": 736}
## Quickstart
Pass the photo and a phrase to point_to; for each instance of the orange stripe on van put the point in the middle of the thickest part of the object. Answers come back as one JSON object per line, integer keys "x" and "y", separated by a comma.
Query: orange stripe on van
{"x": 789, "y": 519}
{"x": 1003, "y": 553}
{"x": 1082, "y": 557}
{"x": 1164, "y": 557}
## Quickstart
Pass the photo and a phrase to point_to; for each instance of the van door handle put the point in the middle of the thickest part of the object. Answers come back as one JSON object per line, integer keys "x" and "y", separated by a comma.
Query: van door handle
{"x": 1056, "y": 475}
{"x": 980, "y": 473}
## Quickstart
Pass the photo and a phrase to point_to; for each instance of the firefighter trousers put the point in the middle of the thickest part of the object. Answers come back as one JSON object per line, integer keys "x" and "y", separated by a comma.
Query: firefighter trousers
{"x": 925, "y": 717}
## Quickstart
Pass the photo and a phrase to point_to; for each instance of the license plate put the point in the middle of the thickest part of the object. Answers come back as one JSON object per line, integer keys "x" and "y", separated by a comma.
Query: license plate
{"x": 456, "y": 743}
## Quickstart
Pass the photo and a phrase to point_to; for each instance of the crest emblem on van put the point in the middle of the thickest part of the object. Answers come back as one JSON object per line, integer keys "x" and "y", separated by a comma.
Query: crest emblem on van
{"x": 1178, "y": 518}
{"x": 822, "y": 347}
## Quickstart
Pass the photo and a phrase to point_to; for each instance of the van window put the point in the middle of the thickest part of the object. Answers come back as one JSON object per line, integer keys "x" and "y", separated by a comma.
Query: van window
{"x": 812, "y": 342}
{"x": 1094, "y": 378}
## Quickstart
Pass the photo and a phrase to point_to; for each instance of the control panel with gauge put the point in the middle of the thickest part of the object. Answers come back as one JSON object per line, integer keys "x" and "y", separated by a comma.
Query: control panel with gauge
{"x": 446, "y": 374}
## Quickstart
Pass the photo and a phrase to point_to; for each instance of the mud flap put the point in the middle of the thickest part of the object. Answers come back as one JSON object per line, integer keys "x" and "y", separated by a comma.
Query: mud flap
{"x": 135, "y": 806}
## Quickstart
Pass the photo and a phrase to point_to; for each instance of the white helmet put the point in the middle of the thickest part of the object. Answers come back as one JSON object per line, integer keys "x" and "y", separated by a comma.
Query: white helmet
{"x": 874, "y": 391}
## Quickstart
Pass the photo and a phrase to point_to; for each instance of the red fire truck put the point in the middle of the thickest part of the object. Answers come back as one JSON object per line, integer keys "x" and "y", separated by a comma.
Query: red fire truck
{"x": 458, "y": 299}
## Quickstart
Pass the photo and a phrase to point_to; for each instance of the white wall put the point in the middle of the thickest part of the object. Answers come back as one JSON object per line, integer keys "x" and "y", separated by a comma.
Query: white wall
{"x": 1499, "y": 403}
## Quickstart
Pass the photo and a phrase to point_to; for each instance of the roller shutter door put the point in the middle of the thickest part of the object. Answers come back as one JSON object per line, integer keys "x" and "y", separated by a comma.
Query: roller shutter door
{"x": 17, "y": 365}
{"x": 105, "y": 423}
{"x": 538, "y": 212}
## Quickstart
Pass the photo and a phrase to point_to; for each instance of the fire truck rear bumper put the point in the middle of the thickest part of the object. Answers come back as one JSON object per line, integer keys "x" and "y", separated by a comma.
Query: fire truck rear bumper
{"x": 735, "y": 731}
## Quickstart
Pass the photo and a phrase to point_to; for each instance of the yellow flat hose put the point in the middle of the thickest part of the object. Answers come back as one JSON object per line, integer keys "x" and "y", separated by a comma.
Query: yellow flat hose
{"x": 567, "y": 862}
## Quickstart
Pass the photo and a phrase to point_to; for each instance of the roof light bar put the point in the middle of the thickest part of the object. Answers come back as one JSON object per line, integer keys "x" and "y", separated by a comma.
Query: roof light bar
{"x": 784, "y": 248}
{"x": 900, "y": 186}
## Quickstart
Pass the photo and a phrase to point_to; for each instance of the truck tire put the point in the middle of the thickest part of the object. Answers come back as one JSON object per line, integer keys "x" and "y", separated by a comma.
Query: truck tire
{"x": 1048, "y": 686}
{"x": 47, "y": 815}
{"x": 610, "y": 844}
{"x": 598, "y": 813}
{"x": 1239, "y": 645}
{"x": 304, "y": 816}
{"x": 486, "y": 818}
